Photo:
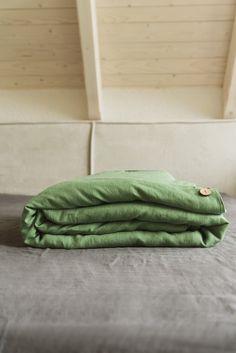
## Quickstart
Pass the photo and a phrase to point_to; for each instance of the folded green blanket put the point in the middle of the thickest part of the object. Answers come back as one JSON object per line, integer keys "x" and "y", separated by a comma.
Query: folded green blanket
{"x": 124, "y": 208}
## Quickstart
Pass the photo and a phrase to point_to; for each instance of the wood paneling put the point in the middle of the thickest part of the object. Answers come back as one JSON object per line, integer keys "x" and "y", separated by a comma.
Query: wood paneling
{"x": 39, "y": 17}
{"x": 41, "y": 81}
{"x": 122, "y": 3}
{"x": 146, "y": 50}
{"x": 44, "y": 52}
{"x": 40, "y": 44}
{"x": 44, "y": 68}
{"x": 166, "y": 32}
{"x": 166, "y": 14}
{"x": 164, "y": 42}
{"x": 42, "y": 35}
{"x": 160, "y": 66}
{"x": 163, "y": 80}
{"x": 36, "y": 4}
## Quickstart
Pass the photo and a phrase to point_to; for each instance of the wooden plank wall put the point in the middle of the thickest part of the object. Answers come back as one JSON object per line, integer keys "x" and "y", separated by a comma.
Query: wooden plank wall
{"x": 158, "y": 43}
{"x": 39, "y": 44}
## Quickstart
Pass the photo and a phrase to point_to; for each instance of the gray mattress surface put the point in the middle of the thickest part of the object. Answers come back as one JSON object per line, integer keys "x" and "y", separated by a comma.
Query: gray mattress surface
{"x": 140, "y": 300}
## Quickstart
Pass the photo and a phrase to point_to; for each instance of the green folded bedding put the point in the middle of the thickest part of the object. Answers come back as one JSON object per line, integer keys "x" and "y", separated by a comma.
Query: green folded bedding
{"x": 124, "y": 208}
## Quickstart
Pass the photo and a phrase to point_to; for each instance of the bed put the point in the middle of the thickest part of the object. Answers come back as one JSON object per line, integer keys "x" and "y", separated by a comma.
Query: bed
{"x": 141, "y": 300}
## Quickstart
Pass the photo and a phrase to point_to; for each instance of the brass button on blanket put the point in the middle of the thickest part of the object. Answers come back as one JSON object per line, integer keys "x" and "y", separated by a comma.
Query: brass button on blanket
{"x": 205, "y": 191}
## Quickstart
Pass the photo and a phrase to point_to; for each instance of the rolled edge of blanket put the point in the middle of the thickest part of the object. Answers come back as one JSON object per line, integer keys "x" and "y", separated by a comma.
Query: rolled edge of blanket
{"x": 204, "y": 237}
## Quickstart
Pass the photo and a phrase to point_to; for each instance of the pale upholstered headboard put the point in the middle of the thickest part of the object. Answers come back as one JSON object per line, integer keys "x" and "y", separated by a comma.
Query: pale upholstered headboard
{"x": 48, "y": 153}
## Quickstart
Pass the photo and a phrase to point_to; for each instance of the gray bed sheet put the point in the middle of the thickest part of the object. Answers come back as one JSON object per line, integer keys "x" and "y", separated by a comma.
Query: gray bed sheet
{"x": 140, "y": 300}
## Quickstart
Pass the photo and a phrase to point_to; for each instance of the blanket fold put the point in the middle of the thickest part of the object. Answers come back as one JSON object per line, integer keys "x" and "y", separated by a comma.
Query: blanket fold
{"x": 124, "y": 208}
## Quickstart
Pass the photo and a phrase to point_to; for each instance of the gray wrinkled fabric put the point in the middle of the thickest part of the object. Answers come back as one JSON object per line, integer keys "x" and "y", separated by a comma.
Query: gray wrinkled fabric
{"x": 140, "y": 300}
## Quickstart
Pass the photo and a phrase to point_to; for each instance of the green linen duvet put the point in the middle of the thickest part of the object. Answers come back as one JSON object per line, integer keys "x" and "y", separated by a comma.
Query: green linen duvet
{"x": 124, "y": 208}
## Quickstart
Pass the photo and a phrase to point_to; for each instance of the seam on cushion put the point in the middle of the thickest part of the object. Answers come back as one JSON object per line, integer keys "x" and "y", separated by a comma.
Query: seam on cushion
{"x": 91, "y": 148}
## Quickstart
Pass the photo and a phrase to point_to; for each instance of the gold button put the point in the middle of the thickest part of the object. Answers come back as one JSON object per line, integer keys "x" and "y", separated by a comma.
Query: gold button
{"x": 205, "y": 191}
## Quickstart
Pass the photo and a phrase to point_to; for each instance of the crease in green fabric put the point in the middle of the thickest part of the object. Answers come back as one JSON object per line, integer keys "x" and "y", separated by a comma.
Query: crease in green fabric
{"x": 124, "y": 208}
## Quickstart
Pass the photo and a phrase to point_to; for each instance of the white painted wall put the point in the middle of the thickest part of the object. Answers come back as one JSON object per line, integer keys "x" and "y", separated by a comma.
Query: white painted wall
{"x": 42, "y": 105}
{"x": 66, "y": 105}
{"x": 165, "y": 104}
